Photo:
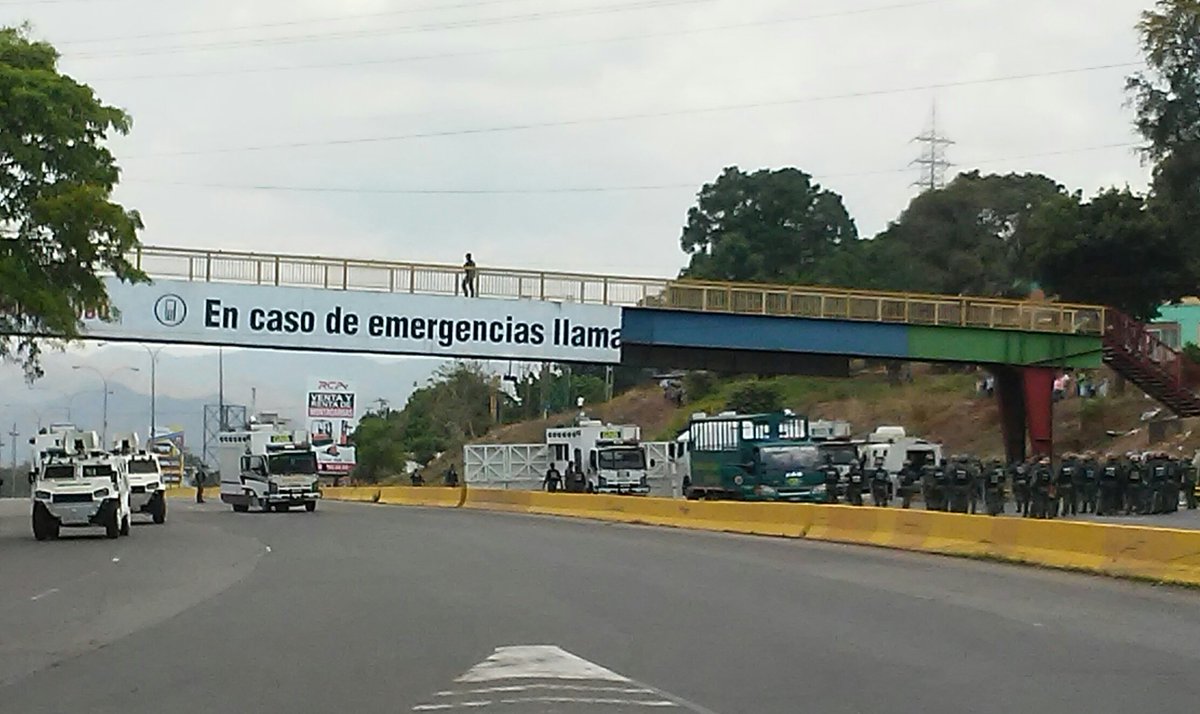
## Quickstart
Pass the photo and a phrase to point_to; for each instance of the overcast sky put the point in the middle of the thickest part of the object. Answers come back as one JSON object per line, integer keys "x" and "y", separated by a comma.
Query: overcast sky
{"x": 618, "y": 95}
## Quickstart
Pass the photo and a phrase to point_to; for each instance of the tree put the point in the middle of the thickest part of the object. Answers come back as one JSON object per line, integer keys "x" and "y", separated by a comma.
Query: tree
{"x": 1111, "y": 250}
{"x": 756, "y": 398}
{"x": 768, "y": 226}
{"x": 58, "y": 226}
{"x": 969, "y": 238}
{"x": 1167, "y": 99}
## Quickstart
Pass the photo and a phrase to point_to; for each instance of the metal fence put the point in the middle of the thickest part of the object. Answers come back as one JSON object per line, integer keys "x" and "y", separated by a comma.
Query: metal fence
{"x": 741, "y": 298}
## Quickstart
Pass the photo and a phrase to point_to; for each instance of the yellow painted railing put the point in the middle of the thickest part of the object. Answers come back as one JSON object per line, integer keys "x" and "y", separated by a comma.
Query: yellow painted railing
{"x": 742, "y": 298}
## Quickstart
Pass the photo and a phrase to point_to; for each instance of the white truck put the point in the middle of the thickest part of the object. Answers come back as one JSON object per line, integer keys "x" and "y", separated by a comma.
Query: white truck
{"x": 614, "y": 453}
{"x": 894, "y": 446}
{"x": 79, "y": 485}
{"x": 266, "y": 468}
{"x": 147, "y": 489}
{"x": 610, "y": 457}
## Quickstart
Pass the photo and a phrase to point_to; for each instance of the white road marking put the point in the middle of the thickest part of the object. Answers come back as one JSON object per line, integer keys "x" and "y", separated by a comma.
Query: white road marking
{"x": 268, "y": 549}
{"x": 555, "y": 687}
{"x": 537, "y": 662}
{"x": 116, "y": 560}
{"x": 588, "y": 700}
{"x": 460, "y": 705}
{"x": 41, "y": 595}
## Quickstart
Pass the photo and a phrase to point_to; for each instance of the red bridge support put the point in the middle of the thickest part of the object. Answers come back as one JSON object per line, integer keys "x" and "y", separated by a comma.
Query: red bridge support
{"x": 1025, "y": 396}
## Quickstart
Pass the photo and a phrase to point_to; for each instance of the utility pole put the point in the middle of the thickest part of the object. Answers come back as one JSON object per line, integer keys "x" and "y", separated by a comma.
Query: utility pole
{"x": 932, "y": 161}
{"x": 224, "y": 422}
{"x": 12, "y": 487}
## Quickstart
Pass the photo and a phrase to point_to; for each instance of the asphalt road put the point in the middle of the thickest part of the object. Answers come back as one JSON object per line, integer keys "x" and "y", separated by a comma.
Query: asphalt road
{"x": 361, "y": 608}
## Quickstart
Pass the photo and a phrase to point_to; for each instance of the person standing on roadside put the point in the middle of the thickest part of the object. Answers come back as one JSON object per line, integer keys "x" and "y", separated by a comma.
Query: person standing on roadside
{"x": 553, "y": 478}
{"x": 199, "y": 481}
{"x": 470, "y": 273}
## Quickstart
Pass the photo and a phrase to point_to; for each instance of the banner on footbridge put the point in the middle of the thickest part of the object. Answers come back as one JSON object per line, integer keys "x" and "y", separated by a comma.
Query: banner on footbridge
{"x": 265, "y": 316}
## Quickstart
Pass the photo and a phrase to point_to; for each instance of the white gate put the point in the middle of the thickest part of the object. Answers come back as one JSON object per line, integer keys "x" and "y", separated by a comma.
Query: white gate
{"x": 507, "y": 466}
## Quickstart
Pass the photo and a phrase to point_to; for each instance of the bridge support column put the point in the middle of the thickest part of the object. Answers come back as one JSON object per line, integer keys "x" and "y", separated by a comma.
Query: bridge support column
{"x": 1039, "y": 408}
{"x": 1010, "y": 398}
{"x": 1024, "y": 395}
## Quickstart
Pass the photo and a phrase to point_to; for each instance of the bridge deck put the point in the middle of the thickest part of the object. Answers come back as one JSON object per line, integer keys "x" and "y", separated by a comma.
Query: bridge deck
{"x": 659, "y": 293}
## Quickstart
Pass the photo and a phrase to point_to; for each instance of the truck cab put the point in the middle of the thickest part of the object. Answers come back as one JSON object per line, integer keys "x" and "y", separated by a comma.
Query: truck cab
{"x": 268, "y": 470}
{"x": 610, "y": 458}
{"x": 147, "y": 491}
{"x": 756, "y": 457}
{"x": 78, "y": 485}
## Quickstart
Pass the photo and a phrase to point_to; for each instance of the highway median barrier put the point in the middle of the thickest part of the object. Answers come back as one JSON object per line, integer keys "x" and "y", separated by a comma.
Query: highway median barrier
{"x": 1159, "y": 554}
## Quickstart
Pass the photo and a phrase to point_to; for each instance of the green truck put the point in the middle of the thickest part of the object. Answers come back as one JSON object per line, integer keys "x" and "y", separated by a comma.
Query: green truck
{"x": 753, "y": 457}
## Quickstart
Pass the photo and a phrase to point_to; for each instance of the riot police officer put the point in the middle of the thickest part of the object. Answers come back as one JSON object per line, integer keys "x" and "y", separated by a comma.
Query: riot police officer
{"x": 832, "y": 477}
{"x": 1110, "y": 481}
{"x": 1189, "y": 483}
{"x": 993, "y": 489}
{"x": 1020, "y": 474}
{"x": 1042, "y": 485}
{"x": 961, "y": 485}
{"x": 855, "y": 485}
{"x": 1135, "y": 486}
{"x": 1066, "y": 494}
{"x": 908, "y": 483}
{"x": 1159, "y": 477}
{"x": 1089, "y": 477}
{"x": 1174, "y": 486}
{"x": 881, "y": 485}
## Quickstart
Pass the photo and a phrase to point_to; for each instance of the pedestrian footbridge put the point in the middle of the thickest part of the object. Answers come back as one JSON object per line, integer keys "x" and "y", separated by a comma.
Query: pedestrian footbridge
{"x": 751, "y": 328}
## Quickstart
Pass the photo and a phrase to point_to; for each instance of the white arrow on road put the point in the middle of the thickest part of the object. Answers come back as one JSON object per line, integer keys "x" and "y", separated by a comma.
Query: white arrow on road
{"x": 533, "y": 676}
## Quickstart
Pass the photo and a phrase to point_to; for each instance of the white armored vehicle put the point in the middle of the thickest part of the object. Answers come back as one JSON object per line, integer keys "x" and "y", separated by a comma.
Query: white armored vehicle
{"x": 79, "y": 485}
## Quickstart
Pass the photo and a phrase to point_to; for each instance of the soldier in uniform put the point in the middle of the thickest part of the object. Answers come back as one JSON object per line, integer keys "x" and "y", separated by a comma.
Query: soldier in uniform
{"x": 993, "y": 489}
{"x": 854, "y": 485}
{"x": 1159, "y": 475}
{"x": 1110, "y": 491}
{"x": 831, "y": 479}
{"x": 1020, "y": 474}
{"x": 881, "y": 485}
{"x": 1189, "y": 483}
{"x": 1089, "y": 483}
{"x": 1174, "y": 486}
{"x": 1042, "y": 484}
{"x": 1134, "y": 486}
{"x": 908, "y": 483}
{"x": 961, "y": 484}
{"x": 1067, "y": 478}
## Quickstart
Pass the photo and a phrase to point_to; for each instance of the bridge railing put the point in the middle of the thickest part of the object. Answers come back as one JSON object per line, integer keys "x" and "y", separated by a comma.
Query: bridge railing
{"x": 741, "y": 298}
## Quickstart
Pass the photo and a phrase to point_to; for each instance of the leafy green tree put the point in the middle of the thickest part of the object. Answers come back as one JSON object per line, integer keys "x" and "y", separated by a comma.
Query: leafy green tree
{"x": 1111, "y": 250}
{"x": 766, "y": 226}
{"x": 377, "y": 453}
{"x": 969, "y": 238}
{"x": 756, "y": 398}
{"x": 1167, "y": 98}
{"x": 58, "y": 226}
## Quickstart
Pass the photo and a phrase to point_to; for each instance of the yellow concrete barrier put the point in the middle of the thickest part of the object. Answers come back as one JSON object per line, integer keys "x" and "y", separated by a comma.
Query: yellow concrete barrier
{"x": 432, "y": 496}
{"x": 1159, "y": 554}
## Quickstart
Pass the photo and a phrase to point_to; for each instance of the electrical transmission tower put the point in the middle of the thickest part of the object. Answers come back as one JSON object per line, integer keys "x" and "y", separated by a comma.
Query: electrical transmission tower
{"x": 932, "y": 161}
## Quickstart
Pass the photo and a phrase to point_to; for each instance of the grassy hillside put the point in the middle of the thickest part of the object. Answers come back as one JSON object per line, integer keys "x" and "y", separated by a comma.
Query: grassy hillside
{"x": 940, "y": 407}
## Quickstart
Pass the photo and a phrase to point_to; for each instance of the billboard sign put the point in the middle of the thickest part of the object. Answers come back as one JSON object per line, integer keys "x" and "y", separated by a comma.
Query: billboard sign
{"x": 185, "y": 312}
{"x": 169, "y": 449}
{"x": 331, "y": 415}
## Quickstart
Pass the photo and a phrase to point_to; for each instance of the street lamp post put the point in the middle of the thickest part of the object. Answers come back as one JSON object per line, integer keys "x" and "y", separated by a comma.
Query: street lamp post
{"x": 153, "y": 390}
{"x": 104, "y": 378}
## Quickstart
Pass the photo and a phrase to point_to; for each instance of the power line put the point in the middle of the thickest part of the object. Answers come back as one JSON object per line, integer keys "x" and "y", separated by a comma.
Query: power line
{"x": 774, "y": 22}
{"x": 283, "y": 23}
{"x": 645, "y": 115}
{"x": 403, "y": 29}
{"x": 370, "y": 190}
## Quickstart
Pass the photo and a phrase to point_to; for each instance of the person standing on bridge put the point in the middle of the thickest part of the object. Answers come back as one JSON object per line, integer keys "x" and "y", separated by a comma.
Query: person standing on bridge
{"x": 470, "y": 273}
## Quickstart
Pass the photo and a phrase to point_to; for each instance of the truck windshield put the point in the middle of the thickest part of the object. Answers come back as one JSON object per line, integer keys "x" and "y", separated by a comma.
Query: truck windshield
{"x": 304, "y": 462}
{"x": 632, "y": 459}
{"x": 143, "y": 467}
{"x": 97, "y": 470}
{"x": 841, "y": 455}
{"x": 790, "y": 458}
{"x": 59, "y": 472}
